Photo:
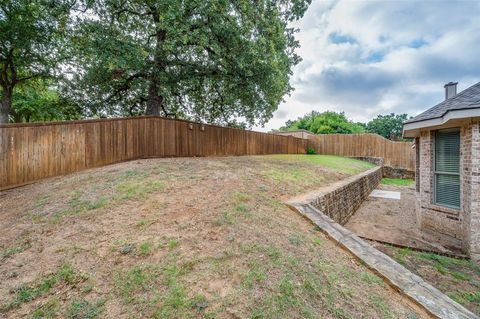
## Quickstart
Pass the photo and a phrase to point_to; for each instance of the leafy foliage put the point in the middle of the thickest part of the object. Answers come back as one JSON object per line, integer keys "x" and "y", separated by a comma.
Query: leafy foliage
{"x": 216, "y": 61}
{"x": 32, "y": 39}
{"x": 389, "y": 126}
{"x": 36, "y": 101}
{"x": 324, "y": 123}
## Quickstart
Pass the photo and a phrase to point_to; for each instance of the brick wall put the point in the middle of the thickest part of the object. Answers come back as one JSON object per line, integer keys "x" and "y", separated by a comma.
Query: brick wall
{"x": 445, "y": 222}
{"x": 461, "y": 226}
{"x": 466, "y": 164}
{"x": 340, "y": 200}
{"x": 472, "y": 198}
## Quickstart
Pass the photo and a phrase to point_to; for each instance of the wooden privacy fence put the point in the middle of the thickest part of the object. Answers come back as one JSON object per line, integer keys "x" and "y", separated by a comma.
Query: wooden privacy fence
{"x": 30, "y": 152}
{"x": 395, "y": 154}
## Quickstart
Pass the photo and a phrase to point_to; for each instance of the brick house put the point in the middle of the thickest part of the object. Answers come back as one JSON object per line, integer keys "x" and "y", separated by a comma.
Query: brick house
{"x": 447, "y": 141}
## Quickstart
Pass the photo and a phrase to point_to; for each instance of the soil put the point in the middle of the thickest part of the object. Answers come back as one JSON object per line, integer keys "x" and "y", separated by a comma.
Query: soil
{"x": 395, "y": 222}
{"x": 181, "y": 238}
{"x": 392, "y": 227}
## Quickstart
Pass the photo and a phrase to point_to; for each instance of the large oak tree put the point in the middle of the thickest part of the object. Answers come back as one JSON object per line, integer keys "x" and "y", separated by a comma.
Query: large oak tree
{"x": 217, "y": 61}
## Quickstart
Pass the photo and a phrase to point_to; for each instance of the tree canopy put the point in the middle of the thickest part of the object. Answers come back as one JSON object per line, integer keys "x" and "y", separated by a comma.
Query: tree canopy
{"x": 324, "y": 123}
{"x": 389, "y": 126}
{"x": 32, "y": 39}
{"x": 39, "y": 101}
{"x": 217, "y": 61}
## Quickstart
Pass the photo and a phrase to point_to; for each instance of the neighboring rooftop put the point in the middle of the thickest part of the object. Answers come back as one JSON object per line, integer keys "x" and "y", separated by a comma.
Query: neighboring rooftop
{"x": 296, "y": 133}
{"x": 467, "y": 99}
{"x": 292, "y": 131}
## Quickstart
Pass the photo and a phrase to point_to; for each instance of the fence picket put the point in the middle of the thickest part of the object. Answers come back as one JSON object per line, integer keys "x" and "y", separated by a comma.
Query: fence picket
{"x": 32, "y": 151}
{"x": 395, "y": 154}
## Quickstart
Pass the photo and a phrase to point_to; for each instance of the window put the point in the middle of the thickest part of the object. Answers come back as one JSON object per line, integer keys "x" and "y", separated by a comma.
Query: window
{"x": 447, "y": 168}
{"x": 417, "y": 164}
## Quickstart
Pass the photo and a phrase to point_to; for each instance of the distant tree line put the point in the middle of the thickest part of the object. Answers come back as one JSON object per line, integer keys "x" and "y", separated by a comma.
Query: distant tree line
{"x": 388, "y": 126}
{"x": 217, "y": 61}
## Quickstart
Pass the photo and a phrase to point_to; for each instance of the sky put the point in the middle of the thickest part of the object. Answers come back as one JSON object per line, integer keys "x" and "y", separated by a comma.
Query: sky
{"x": 377, "y": 57}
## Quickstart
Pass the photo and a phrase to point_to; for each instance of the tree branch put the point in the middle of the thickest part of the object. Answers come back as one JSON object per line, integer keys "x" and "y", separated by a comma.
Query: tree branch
{"x": 31, "y": 77}
{"x": 124, "y": 87}
{"x": 167, "y": 114}
{"x": 222, "y": 103}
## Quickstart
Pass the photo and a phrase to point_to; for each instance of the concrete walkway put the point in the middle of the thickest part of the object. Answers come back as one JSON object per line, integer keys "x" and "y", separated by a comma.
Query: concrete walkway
{"x": 414, "y": 287}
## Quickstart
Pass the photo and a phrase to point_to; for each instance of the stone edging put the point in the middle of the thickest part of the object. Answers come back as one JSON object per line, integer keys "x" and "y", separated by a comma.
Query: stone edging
{"x": 414, "y": 287}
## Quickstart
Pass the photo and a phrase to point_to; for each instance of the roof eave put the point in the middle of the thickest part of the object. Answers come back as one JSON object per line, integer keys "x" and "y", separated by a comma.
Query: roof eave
{"x": 412, "y": 129}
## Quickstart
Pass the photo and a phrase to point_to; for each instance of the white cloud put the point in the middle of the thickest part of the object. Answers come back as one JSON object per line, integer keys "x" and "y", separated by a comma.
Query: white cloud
{"x": 374, "y": 57}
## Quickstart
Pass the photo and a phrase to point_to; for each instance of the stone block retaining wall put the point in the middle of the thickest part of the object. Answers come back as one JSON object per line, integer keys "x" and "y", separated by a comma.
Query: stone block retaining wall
{"x": 392, "y": 172}
{"x": 379, "y": 161}
{"x": 340, "y": 200}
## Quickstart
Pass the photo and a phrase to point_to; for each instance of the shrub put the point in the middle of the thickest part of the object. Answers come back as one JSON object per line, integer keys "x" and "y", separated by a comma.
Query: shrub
{"x": 311, "y": 151}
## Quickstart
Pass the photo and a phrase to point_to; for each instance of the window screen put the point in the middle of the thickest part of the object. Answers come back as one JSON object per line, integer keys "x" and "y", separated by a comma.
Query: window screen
{"x": 417, "y": 164}
{"x": 447, "y": 168}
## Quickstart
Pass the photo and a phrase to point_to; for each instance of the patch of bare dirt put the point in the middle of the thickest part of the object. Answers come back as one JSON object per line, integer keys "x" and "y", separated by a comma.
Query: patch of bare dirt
{"x": 394, "y": 221}
{"x": 180, "y": 238}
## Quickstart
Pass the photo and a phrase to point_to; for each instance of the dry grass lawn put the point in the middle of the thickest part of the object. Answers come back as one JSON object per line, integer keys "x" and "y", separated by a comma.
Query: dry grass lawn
{"x": 183, "y": 238}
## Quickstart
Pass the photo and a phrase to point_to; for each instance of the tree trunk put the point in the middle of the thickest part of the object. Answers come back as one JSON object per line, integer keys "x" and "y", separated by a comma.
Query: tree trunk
{"x": 6, "y": 104}
{"x": 154, "y": 101}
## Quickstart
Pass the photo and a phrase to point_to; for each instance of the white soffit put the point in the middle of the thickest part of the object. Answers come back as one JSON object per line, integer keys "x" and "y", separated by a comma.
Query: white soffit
{"x": 450, "y": 115}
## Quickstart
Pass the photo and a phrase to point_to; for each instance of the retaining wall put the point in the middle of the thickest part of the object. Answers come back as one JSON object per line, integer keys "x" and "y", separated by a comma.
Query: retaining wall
{"x": 388, "y": 171}
{"x": 330, "y": 206}
{"x": 379, "y": 161}
{"x": 340, "y": 200}
{"x": 392, "y": 172}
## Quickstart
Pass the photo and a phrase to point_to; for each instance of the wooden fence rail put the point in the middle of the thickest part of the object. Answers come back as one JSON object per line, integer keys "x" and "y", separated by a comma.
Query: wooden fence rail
{"x": 29, "y": 152}
{"x": 395, "y": 154}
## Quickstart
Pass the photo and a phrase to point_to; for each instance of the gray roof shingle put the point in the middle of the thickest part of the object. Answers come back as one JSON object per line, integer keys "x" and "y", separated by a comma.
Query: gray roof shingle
{"x": 467, "y": 99}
